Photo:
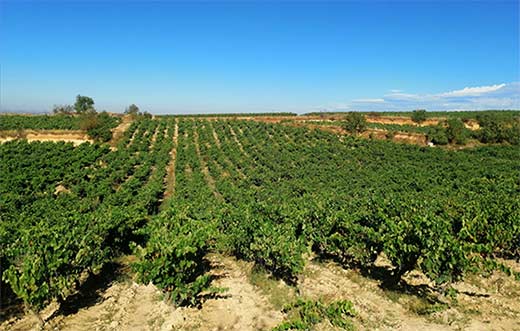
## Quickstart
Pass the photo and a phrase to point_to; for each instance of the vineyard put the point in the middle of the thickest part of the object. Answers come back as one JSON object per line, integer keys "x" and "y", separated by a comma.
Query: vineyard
{"x": 178, "y": 193}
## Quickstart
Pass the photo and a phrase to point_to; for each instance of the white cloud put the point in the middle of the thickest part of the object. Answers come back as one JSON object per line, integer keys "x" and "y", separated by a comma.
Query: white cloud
{"x": 473, "y": 91}
{"x": 498, "y": 96}
{"x": 377, "y": 100}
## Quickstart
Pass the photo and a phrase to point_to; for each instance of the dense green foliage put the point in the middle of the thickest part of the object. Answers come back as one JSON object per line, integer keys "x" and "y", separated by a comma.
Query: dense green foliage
{"x": 49, "y": 237}
{"x": 39, "y": 122}
{"x": 355, "y": 122}
{"x": 497, "y": 128}
{"x": 235, "y": 114}
{"x": 98, "y": 126}
{"x": 264, "y": 193}
{"x": 84, "y": 104}
{"x": 173, "y": 257}
{"x": 419, "y": 115}
{"x": 102, "y": 122}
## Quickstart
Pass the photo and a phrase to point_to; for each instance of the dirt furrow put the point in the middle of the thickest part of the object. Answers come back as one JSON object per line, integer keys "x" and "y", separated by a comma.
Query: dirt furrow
{"x": 225, "y": 158}
{"x": 241, "y": 307}
{"x": 170, "y": 171}
{"x": 134, "y": 134}
{"x": 204, "y": 166}
{"x": 154, "y": 138}
{"x": 239, "y": 144}
{"x": 119, "y": 131}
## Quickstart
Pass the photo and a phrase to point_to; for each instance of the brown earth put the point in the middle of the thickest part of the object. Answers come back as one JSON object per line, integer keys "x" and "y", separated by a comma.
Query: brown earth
{"x": 74, "y": 136}
{"x": 170, "y": 170}
{"x": 119, "y": 131}
{"x": 481, "y": 303}
{"x": 401, "y": 120}
{"x": 405, "y": 137}
{"x": 126, "y": 305}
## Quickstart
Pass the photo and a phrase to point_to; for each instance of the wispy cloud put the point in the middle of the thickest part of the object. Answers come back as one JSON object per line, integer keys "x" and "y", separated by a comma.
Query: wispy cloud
{"x": 473, "y": 91}
{"x": 497, "y": 96}
{"x": 376, "y": 100}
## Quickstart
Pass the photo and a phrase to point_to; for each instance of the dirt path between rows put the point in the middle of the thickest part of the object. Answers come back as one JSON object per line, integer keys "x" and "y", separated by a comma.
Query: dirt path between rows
{"x": 119, "y": 131}
{"x": 241, "y": 307}
{"x": 154, "y": 138}
{"x": 239, "y": 144}
{"x": 226, "y": 159}
{"x": 204, "y": 166}
{"x": 170, "y": 170}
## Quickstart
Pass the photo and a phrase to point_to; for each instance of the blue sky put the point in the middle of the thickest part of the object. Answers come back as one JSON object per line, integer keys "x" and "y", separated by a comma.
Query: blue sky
{"x": 249, "y": 56}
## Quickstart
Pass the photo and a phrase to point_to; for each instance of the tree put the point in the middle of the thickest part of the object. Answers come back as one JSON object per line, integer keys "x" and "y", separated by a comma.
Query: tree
{"x": 355, "y": 122}
{"x": 419, "y": 116}
{"x": 437, "y": 135}
{"x": 455, "y": 131}
{"x": 132, "y": 110}
{"x": 495, "y": 128}
{"x": 84, "y": 104}
{"x": 97, "y": 126}
{"x": 63, "y": 109}
{"x": 513, "y": 133}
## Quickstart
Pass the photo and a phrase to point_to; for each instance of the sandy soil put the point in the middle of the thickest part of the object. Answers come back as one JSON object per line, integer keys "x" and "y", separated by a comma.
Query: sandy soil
{"x": 74, "y": 136}
{"x": 472, "y": 125}
{"x": 126, "y": 305}
{"x": 119, "y": 131}
{"x": 481, "y": 304}
{"x": 401, "y": 120}
{"x": 170, "y": 170}
{"x": 239, "y": 144}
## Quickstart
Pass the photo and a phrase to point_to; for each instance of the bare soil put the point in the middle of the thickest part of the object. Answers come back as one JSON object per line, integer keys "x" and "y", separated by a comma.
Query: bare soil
{"x": 126, "y": 305}
{"x": 76, "y": 137}
{"x": 481, "y": 303}
{"x": 119, "y": 131}
{"x": 170, "y": 170}
{"x": 401, "y": 120}
{"x": 239, "y": 144}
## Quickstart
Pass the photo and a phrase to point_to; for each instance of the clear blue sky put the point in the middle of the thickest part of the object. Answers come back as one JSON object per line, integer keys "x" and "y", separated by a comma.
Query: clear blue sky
{"x": 209, "y": 56}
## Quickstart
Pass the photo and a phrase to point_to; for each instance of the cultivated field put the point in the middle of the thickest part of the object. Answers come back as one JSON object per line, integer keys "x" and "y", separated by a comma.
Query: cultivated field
{"x": 259, "y": 223}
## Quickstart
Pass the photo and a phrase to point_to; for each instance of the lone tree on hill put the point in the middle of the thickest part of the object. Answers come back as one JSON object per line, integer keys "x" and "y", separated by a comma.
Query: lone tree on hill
{"x": 355, "y": 122}
{"x": 84, "y": 104}
{"x": 419, "y": 116}
{"x": 132, "y": 110}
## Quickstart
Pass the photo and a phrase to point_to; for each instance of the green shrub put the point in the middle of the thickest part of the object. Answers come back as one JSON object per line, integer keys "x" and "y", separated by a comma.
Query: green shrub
{"x": 438, "y": 135}
{"x": 174, "y": 256}
{"x": 305, "y": 314}
{"x": 419, "y": 115}
{"x": 355, "y": 122}
{"x": 456, "y": 131}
